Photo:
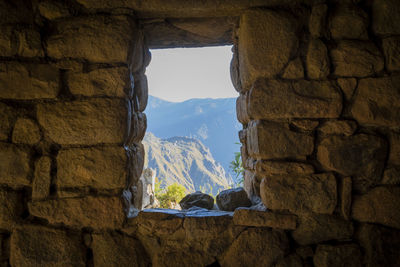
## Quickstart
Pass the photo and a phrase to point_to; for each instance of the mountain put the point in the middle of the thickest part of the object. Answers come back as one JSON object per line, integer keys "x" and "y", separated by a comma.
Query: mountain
{"x": 185, "y": 161}
{"x": 212, "y": 121}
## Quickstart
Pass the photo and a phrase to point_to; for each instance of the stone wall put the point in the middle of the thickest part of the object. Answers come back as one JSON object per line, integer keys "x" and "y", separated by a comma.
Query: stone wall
{"x": 319, "y": 103}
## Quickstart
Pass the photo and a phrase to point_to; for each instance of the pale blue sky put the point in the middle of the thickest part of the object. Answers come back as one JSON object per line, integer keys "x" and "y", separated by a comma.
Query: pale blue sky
{"x": 182, "y": 73}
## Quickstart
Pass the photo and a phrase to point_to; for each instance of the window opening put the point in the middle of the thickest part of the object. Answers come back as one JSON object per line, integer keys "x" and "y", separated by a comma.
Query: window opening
{"x": 192, "y": 130}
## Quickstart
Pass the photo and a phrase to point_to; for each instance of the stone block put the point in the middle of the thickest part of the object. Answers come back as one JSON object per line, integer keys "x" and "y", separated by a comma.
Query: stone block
{"x": 114, "y": 249}
{"x": 11, "y": 209}
{"x": 21, "y": 41}
{"x": 373, "y": 102}
{"x": 100, "y": 82}
{"x": 341, "y": 255}
{"x": 360, "y": 156}
{"x": 381, "y": 245}
{"x": 380, "y": 205}
{"x": 391, "y": 176}
{"x": 264, "y": 167}
{"x": 42, "y": 178}
{"x": 28, "y": 81}
{"x": 141, "y": 92}
{"x": 264, "y": 53}
{"x": 294, "y": 70}
{"x": 263, "y": 248}
{"x": 53, "y": 9}
{"x": 256, "y": 218}
{"x": 40, "y": 246}
{"x": 79, "y": 37}
{"x": 7, "y": 121}
{"x": 386, "y": 17}
{"x": 317, "y": 228}
{"x": 85, "y": 121}
{"x": 241, "y": 109}
{"x": 348, "y": 86}
{"x": 305, "y": 125}
{"x": 356, "y": 59}
{"x": 270, "y": 140}
{"x": 14, "y": 166}
{"x": 99, "y": 168}
{"x": 93, "y": 212}
{"x": 26, "y": 131}
{"x": 292, "y": 260}
{"x": 317, "y": 22}
{"x": 394, "y": 151}
{"x": 317, "y": 60}
{"x": 338, "y": 127}
{"x": 391, "y": 50}
{"x": 197, "y": 199}
{"x": 345, "y": 197}
{"x": 230, "y": 199}
{"x": 300, "y": 193}
{"x": 345, "y": 15}
{"x": 137, "y": 128}
{"x": 272, "y": 99}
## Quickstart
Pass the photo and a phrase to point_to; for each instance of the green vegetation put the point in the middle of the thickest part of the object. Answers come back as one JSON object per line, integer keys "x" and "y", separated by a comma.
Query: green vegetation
{"x": 169, "y": 197}
{"x": 236, "y": 166}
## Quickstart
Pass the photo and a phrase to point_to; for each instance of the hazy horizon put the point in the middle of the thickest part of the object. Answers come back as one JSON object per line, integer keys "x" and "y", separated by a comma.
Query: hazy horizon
{"x": 180, "y": 74}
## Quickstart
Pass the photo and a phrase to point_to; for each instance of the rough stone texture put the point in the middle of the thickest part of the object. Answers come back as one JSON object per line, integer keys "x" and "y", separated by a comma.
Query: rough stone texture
{"x": 26, "y": 131}
{"x": 394, "y": 151}
{"x": 391, "y": 176}
{"x": 79, "y": 38}
{"x": 100, "y": 168}
{"x": 6, "y": 121}
{"x": 305, "y": 125}
{"x": 294, "y": 70}
{"x": 11, "y": 209}
{"x": 197, "y": 199}
{"x": 241, "y": 109}
{"x": 141, "y": 92}
{"x": 40, "y": 246}
{"x": 345, "y": 197}
{"x": 263, "y": 248}
{"x": 269, "y": 140}
{"x": 380, "y": 205}
{"x": 137, "y": 128}
{"x": 300, "y": 193}
{"x": 356, "y": 59}
{"x": 21, "y": 41}
{"x": 381, "y": 245}
{"x": 292, "y": 260}
{"x": 14, "y": 166}
{"x": 317, "y": 60}
{"x": 100, "y": 82}
{"x": 343, "y": 17}
{"x": 275, "y": 167}
{"x": 231, "y": 199}
{"x": 317, "y": 20}
{"x": 385, "y": 17}
{"x": 94, "y": 212}
{"x": 265, "y": 52}
{"x": 317, "y": 228}
{"x": 256, "y": 218}
{"x": 373, "y": 102}
{"x": 391, "y": 50}
{"x": 53, "y": 10}
{"x": 42, "y": 179}
{"x": 272, "y": 99}
{"x": 28, "y": 81}
{"x": 114, "y": 249}
{"x": 341, "y": 255}
{"x": 338, "y": 127}
{"x": 84, "y": 122}
{"x": 348, "y": 86}
{"x": 360, "y": 156}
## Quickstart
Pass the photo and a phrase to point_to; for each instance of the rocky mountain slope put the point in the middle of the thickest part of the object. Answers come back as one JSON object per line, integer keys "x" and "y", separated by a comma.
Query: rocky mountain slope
{"x": 186, "y": 161}
{"x": 212, "y": 121}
